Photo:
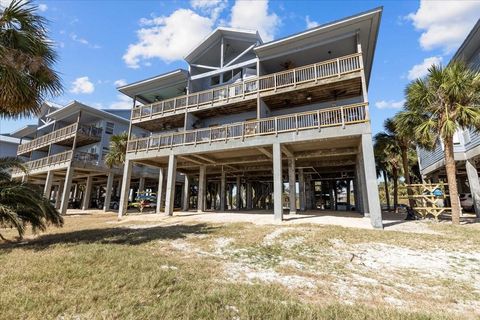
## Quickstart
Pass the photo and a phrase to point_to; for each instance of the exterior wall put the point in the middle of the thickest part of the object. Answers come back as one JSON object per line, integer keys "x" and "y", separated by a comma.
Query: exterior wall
{"x": 8, "y": 148}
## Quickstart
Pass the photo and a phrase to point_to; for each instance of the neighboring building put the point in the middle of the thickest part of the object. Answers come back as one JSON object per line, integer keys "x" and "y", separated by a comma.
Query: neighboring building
{"x": 466, "y": 142}
{"x": 65, "y": 150}
{"x": 8, "y": 146}
{"x": 247, "y": 117}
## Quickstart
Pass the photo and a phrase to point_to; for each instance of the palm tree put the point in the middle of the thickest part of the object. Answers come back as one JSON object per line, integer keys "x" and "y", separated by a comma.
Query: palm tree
{"x": 387, "y": 150}
{"x": 23, "y": 204}
{"x": 445, "y": 101}
{"x": 26, "y": 60}
{"x": 118, "y": 150}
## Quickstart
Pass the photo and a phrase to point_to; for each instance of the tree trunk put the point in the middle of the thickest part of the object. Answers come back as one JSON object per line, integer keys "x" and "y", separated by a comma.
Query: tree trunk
{"x": 395, "y": 188}
{"x": 406, "y": 175}
{"x": 387, "y": 193}
{"x": 451, "y": 169}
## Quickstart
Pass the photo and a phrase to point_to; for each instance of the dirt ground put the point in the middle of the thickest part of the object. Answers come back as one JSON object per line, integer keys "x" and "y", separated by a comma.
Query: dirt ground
{"x": 411, "y": 270}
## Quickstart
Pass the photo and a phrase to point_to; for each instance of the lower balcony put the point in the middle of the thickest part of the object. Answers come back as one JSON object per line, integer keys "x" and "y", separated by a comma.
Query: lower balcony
{"x": 57, "y": 161}
{"x": 323, "y": 118}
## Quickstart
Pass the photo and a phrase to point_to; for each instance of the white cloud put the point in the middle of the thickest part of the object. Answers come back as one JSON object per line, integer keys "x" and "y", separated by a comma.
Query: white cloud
{"x": 168, "y": 38}
{"x": 211, "y": 7}
{"x": 123, "y": 102}
{"x": 253, "y": 15}
{"x": 82, "y": 85}
{"x": 421, "y": 70}
{"x": 42, "y": 7}
{"x": 83, "y": 41}
{"x": 310, "y": 23}
{"x": 445, "y": 24}
{"x": 390, "y": 104}
{"x": 120, "y": 82}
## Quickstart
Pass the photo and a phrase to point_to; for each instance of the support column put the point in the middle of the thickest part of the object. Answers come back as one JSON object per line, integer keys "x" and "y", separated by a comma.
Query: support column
{"x": 349, "y": 194}
{"x": 88, "y": 192}
{"x": 127, "y": 173}
{"x": 301, "y": 189}
{"x": 58, "y": 195}
{"x": 186, "y": 194}
{"x": 108, "y": 192}
{"x": 222, "y": 191}
{"x": 48, "y": 185}
{"x": 308, "y": 192}
{"x": 291, "y": 186}
{"x": 249, "y": 196}
{"x": 474, "y": 184}
{"x": 277, "y": 182}
{"x": 202, "y": 188}
{"x": 141, "y": 184}
{"x": 237, "y": 197}
{"x": 373, "y": 200}
{"x": 66, "y": 190}
{"x": 170, "y": 191}
{"x": 160, "y": 191}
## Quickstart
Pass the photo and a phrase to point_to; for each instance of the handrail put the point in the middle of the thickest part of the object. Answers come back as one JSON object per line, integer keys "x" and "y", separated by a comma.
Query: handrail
{"x": 314, "y": 72}
{"x": 57, "y": 159}
{"x": 322, "y": 118}
{"x": 58, "y": 135}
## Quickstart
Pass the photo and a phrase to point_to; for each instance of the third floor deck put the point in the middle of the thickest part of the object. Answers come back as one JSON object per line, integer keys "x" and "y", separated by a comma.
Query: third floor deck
{"x": 343, "y": 72}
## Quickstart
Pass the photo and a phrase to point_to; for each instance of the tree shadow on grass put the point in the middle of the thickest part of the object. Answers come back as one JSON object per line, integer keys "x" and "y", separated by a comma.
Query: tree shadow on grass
{"x": 134, "y": 235}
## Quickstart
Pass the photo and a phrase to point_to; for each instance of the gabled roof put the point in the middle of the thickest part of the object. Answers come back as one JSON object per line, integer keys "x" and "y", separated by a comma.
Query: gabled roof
{"x": 74, "y": 107}
{"x": 212, "y": 38}
{"x": 470, "y": 45}
{"x": 365, "y": 24}
{"x": 25, "y": 131}
{"x": 136, "y": 89}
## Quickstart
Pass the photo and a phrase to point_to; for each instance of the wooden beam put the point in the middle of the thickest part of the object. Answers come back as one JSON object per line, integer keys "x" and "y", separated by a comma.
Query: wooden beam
{"x": 191, "y": 160}
{"x": 265, "y": 152}
{"x": 240, "y": 55}
{"x": 204, "y": 158}
{"x": 287, "y": 152}
{"x": 204, "y": 66}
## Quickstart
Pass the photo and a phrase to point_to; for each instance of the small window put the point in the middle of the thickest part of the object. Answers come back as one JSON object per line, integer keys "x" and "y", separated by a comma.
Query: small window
{"x": 214, "y": 80}
{"x": 109, "y": 128}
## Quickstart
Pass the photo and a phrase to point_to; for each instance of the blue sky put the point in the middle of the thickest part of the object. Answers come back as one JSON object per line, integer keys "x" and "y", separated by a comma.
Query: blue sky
{"x": 102, "y": 44}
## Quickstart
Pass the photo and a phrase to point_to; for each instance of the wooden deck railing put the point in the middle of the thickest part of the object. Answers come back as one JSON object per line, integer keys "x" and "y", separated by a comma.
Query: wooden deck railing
{"x": 271, "y": 82}
{"x": 58, "y": 158}
{"x": 58, "y": 135}
{"x": 338, "y": 116}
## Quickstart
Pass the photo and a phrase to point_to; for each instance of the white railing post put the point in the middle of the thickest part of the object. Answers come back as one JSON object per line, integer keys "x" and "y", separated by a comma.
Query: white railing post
{"x": 195, "y": 138}
{"x": 338, "y": 67}
{"x": 343, "y": 117}
{"x": 243, "y": 131}
{"x": 276, "y": 126}
{"x": 318, "y": 120}
{"x": 296, "y": 122}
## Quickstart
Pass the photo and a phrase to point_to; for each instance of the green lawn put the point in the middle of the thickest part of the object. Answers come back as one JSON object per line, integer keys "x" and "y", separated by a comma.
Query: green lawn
{"x": 96, "y": 268}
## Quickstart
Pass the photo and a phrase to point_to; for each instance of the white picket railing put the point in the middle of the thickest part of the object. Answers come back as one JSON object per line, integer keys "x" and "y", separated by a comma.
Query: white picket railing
{"x": 338, "y": 116}
{"x": 59, "y": 135}
{"x": 271, "y": 82}
{"x": 58, "y": 158}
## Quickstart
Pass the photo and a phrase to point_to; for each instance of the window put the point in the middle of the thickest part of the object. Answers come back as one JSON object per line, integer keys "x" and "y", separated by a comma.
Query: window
{"x": 466, "y": 136}
{"x": 214, "y": 80}
{"x": 109, "y": 127}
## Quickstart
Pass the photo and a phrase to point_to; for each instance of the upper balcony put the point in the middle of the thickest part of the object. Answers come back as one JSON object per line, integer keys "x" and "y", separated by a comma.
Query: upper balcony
{"x": 343, "y": 72}
{"x": 64, "y": 136}
{"x": 341, "y": 116}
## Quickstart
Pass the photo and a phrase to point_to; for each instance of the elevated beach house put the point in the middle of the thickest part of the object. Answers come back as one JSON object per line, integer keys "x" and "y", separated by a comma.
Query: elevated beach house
{"x": 64, "y": 152}
{"x": 466, "y": 142}
{"x": 249, "y": 120}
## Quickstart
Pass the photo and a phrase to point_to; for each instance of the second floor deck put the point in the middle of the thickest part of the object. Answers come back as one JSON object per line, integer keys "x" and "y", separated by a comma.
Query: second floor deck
{"x": 63, "y": 136}
{"x": 325, "y": 72}
{"x": 323, "y": 118}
